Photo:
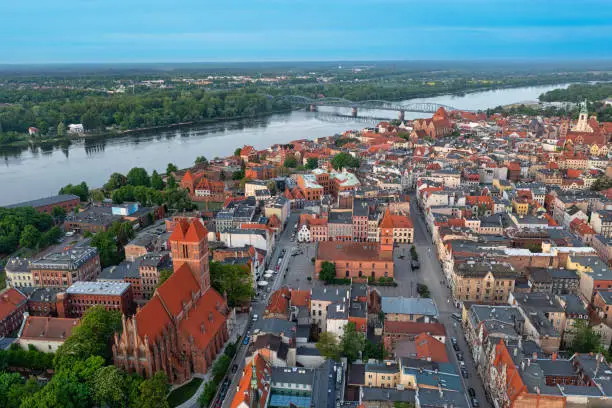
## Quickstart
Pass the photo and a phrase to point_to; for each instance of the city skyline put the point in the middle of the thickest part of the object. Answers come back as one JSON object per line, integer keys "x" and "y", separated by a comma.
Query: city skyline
{"x": 270, "y": 30}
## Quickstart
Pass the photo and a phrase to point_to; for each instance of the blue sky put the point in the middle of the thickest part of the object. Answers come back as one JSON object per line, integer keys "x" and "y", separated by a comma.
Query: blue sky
{"x": 42, "y": 31}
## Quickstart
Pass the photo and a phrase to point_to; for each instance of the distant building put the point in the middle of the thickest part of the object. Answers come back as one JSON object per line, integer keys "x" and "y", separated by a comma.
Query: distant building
{"x": 80, "y": 296}
{"x": 45, "y": 205}
{"x": 76, "y": 128}
{"x": 64, "y": 267}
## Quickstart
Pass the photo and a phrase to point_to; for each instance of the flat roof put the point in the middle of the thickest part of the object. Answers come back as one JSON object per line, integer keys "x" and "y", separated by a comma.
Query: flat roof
{"x": 98, "y": 288}
{"x": 70, "y": 259}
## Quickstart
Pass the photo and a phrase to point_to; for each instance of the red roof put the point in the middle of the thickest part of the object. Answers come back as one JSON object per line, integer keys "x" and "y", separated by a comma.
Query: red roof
{"x": 10, "y": 300}
{"x": 178, "y": 288}
{"x": 435, "y": 329}
{"x": 188, "y": 177}
{"x": 48, "y": 328}
{"x": 152, "y": 319}
{"x": 178, "y": 234}
{"x": 196, "y": 232}
{"x": 205, "y": 319}
{"x": 300, "y": 298}
{"x": 243, "y": 395}
{"x": 427, "y": 347}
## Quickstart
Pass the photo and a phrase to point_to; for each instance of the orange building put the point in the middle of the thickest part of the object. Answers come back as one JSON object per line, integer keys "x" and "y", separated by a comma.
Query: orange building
{"x": 254, "y": 387}
{"x": 358, "y": 260}
{"x": 185, "y": 317}
{"x": 310, "y": 187}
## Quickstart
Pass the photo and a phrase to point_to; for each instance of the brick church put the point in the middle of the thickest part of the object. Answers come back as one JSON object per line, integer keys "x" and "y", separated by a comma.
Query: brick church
{"x": 183, "y": 327}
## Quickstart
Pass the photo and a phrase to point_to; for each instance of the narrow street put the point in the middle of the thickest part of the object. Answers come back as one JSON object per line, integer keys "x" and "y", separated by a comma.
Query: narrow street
{"x": 430, "y": 274}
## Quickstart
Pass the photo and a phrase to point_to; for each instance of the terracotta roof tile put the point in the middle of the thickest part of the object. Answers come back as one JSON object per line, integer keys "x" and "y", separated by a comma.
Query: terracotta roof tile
{"x": 196, "y": 232}
{"x": 48, "y": 328}
{"x": 178, "y": 288}
{"x": 10, "y": 300}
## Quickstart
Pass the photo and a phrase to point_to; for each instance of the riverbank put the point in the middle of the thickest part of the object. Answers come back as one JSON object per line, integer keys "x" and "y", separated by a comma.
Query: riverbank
{"x": 56, "y": 141}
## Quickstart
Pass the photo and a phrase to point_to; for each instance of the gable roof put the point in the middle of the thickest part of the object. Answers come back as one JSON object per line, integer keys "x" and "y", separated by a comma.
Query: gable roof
{"x": 152, "y": 319}
{"x": 10, "y": 300}
{"x": 178, "y": 288}
{"x": 196, "y": 232}
{"x": 242, "y": 398}
{"x": 48, "y": 328}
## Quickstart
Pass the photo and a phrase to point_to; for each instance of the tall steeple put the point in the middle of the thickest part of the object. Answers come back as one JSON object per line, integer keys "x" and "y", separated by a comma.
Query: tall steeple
{"x": 386, "y": 231}
{"x": 583, "y": 120}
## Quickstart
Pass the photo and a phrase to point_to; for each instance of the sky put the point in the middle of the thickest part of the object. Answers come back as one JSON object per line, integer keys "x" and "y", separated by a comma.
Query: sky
{"x": 69, "y": 31}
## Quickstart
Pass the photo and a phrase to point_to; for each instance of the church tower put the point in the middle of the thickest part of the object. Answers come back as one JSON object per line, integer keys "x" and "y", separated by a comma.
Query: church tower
{"x": 189, "y": 245}
{"x": 583, "y": 120}
{"x": 386, "y": 232}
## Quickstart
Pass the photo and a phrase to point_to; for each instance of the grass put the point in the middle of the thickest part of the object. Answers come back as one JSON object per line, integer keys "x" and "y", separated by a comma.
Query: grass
{"x": 184, "y": 392}
{"x": 213, "y": 205}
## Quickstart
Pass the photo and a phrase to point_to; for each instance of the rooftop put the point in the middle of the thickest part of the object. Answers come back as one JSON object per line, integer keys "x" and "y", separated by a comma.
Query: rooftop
{"x": 98, "y": 288}
{"x": 41, "y": 202}
{"x": 414, "y": 306}
{"x": 70, "y": 259}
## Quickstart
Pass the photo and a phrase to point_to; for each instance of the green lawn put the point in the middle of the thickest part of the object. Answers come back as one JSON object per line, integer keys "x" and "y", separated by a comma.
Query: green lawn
{"x": 183, "y": 393}
{"x": 214, "y": 205}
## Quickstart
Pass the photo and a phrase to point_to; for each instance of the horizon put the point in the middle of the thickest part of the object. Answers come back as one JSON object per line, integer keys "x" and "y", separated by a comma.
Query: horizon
{"x": 157, "y": 32}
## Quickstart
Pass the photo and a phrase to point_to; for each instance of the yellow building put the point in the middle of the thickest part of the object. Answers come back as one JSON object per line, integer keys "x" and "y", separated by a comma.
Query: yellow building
{"x": 386, "y": 375}
{"x": 520, "y": 206}
{"x": 483, "y": 282}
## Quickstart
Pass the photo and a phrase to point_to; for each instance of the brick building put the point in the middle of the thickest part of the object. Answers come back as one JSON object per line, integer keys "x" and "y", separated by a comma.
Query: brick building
{"x": 185, "y": 317}
{"x": 80, "y": 296}
{"x": 63, "y": 268}
{"x": 67, "y": 202}
{"x": 13, "y": 304}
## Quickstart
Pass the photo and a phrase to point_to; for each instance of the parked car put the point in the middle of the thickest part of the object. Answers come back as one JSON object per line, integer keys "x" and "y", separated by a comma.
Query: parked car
{"x": 475, "y": 403}
{"x": 246, "y": 340}
{"x": 464, "y": 372}
{"x": 453, "y": 340}
{"x": 456, "y": 347}
{"x": 415, "y": 264}
{"x": 471, "y": 392}
{"x": 234, "y": 368}
{"x": 255, "y": 317}
{"x": 460, "y": 356}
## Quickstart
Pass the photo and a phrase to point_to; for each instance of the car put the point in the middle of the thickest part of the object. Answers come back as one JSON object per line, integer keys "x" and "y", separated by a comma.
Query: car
{"x": 462, "y": 363}
{"x": 255, "y": 316}
{"x": 453, "y": 340}
{"x": 472, "y": 392}
{"x": 234, "y": 368}
{"x": 277, "y": 268}
{"x": 464, "y": 373}
{"x": 460, "y": 356}
{"x": 456, "y": 316}
{"x": 456, "y": 347}
{"x": 415, "y": 264}
{"x": 475, "y": 403}
{"x": 246, "y": 340}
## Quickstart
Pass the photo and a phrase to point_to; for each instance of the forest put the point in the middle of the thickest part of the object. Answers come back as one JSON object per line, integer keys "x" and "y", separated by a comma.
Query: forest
{"x": 593, "y": 93}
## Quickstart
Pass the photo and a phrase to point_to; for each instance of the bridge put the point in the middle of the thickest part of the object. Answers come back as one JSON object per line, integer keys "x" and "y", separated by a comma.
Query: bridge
{"x": 313, "y": 104}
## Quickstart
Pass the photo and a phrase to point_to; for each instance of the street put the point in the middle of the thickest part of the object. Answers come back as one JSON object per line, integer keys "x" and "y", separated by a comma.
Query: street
{"x": 430, "y": 274}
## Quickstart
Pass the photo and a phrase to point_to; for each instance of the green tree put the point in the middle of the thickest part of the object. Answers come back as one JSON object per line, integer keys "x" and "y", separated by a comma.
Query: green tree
{"x": 171, "y": 168}
{"x": 164, "y": 274}
{"x": 373, "y": 351}
{"x": 107, "y": 247}
{"x": 352, "y": 342}
{"x": 58, "y": 214}
{"x": 210, "y": 389}
{"x": 344, "y": 160}
{"x": 220, "y": 367}
{"x": 61, "y": 129}
{"x": 50, "y": 237}
{"x": 290, "y": 162}
{"x": 238, "y": 175}
{"x": 234, "y": 280}
{"x": 271, "y": 186}
{"x": 328, "y": 272}
{"x": 30, "y": 237}
{"x": 153, "y": 391}
{"x": 237, "y": 151}
{"x": 109, "y": 387}
{"x": 171, "y": 183}
{"x": 201, "y": 160}
{"x": 115, "y": 181}
{"x": 312, "y": 163}
{"x": 156, "y": 181}
{"x": 92, "y": 337}
{"x": 138, "y": 176}
{"x": 81, "y": 190}
{"x": 178, "y": 199}
{"x": 585, "y": 339}
{"x": 97, "y": 195}
{"x": 328, "y": 346}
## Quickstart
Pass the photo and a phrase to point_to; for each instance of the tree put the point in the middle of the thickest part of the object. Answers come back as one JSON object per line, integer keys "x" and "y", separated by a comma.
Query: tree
{"x": 61, "y": 129}
{"x": 109, "y": 387}
{"x": 156, "y": 181}
{"x": 219, "y": 368}
{"x": 237, "y": 151}
{"x": 201, "y": 160}
{"x": 107, "y": 247}
{"x": 271, "y": 186}
{"x": 153, "y": 391}
{"x": 413, "y": 253}
{"x": 92, "y": 337}
{"x": 171, "y": 183}
{"x": 210, "y": 389}
{"x": 97, "y": 195}
{"x": 138, "y": 176}
{"x": 312, "y": 163}
{"x": 115, "y": 181}
{"x": 171, "y": 168}
{"x": 50, "y": 237}
{"x": 585, "y": 339}
{"x": 373, "y": 351}
{"x": 328, "y": 346}
{"x": 81, "y": 190}
{"x": 238, "y": 175}
{"x": 352, "y": 342}
{"x": 328, "y": 272}
{"x": 164, "y": 274}
{"x": 234, "y": 280}
{"x": 290, "y": 162}
{"x": 30, "y": 237}
{"x": 58, "y": 214}
{"x": 344, "y": 160}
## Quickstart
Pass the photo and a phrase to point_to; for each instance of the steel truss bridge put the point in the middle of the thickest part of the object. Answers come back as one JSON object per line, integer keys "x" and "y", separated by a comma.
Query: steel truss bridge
{"x": 312, "y": 104}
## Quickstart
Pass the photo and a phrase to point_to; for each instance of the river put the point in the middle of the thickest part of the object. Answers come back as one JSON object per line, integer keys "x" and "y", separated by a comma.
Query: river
{"x": 41, "y": 172}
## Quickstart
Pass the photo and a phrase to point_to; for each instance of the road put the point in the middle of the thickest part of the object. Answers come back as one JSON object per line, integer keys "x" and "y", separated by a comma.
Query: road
{"x": 259, "y": 304}
{"x": 431, "y": 275}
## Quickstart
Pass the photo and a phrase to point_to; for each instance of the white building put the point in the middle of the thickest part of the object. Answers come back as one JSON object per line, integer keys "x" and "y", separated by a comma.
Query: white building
{"x": 303, "y": 234}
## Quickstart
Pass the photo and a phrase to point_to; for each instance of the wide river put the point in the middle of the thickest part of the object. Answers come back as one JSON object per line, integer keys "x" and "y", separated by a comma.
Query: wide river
{"x": 35, "y": 173}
